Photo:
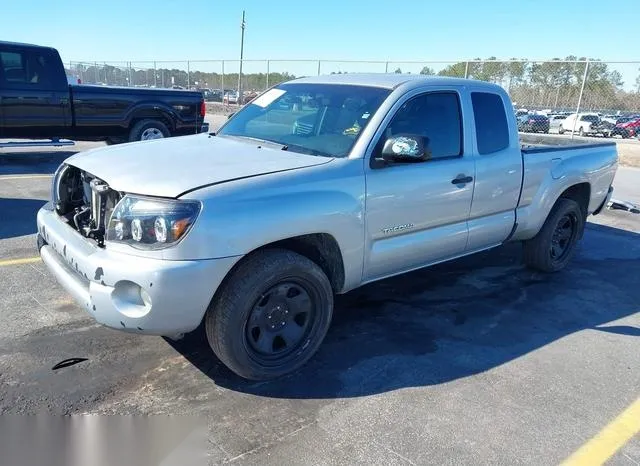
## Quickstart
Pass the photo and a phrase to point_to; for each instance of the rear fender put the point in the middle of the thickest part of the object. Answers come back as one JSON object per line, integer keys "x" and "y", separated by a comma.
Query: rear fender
{"x": 546, "y": 178}
{"x": 152, "y": 111}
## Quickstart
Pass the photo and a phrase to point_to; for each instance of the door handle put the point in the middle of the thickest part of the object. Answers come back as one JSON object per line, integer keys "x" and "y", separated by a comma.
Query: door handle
{"x": 461, "y": 179}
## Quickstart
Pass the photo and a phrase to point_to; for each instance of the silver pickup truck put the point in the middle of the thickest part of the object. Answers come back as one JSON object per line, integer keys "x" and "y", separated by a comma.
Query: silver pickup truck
{"x": 316, "y": 187}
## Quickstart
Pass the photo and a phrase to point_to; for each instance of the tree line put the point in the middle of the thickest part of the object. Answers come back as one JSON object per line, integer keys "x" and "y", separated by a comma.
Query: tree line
{"x": 552, "y": 84}
{"x": 165, "y": 77}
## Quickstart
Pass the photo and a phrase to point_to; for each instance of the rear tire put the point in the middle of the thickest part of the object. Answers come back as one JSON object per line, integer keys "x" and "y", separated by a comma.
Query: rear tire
{"x": 560, "y": 130}
{"x": 145, "y": 130}
{"x": 554, "y": 245}
{"x": 270, "y": 315}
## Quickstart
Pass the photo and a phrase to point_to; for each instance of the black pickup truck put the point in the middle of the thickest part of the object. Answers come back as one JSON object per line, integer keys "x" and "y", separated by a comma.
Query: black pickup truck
{"x": 37, "y": 102}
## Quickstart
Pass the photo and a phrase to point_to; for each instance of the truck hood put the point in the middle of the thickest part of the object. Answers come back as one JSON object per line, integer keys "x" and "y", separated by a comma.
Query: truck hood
{"x": 170, "y": 167}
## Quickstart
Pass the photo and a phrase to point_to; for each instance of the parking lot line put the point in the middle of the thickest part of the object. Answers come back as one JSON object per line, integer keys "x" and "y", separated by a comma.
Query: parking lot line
{"x": 24, "y": 260}
{"x": 609, "y": 440}
{"x": 23, "y": 177}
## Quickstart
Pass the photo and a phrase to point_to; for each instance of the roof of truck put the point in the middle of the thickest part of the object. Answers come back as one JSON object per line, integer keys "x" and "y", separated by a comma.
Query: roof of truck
{"x": 384, "y": 80}
{"x": 23, "y": 45}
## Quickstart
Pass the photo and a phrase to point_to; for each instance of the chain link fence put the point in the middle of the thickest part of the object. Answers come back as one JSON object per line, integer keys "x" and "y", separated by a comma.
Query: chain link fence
{"x": 611, "y": 88}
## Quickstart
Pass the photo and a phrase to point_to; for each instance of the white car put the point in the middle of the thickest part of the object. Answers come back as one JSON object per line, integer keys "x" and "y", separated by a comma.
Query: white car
{"x": 580, "y": 123}
{"x": 555, "y": 121}
{"x": 231, "y": 97}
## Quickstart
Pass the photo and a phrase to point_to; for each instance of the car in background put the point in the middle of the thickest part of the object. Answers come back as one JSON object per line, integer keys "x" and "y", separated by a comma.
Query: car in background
{"x": 555, "y": 121}
{"x": 248, "y": 96}
{"x": 625, "y": 119}
{"x": 230, "y": 97}
{"x": 613, "y": 119}
{"x": 627, "y": 129}
{"x": 533, "y": 124}
{"x": 213, "y": 95}
{"x": 585, "y": 124}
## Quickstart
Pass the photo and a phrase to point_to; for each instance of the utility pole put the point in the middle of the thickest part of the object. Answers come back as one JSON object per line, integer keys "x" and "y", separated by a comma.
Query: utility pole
{"x": 241, "y": 56}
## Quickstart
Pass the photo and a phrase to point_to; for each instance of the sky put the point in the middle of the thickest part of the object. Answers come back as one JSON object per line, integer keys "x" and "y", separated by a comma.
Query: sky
{"x": 429, "y": 30}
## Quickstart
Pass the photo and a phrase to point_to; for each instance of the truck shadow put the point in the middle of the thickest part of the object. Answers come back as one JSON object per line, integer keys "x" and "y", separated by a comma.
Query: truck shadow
{"x": 18, "y": 216}
{"x": 454, "y": 320}
{"x": 32, "y": 162}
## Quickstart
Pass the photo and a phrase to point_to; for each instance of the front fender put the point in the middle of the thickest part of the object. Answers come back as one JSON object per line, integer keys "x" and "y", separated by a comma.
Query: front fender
{"x": 241, "y": 216}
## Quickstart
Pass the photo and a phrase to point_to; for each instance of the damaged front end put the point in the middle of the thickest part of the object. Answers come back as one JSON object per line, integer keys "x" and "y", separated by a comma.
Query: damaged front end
{"x": 83, "y": 201}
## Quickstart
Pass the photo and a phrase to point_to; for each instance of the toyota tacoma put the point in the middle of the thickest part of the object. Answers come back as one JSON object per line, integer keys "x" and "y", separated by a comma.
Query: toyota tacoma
{"x": 315, "y": 188}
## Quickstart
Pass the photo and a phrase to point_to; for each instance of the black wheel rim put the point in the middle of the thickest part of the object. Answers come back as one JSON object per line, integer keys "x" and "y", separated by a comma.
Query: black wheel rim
{"x": 563, "y": 237}
{"x": 280, "y": 322}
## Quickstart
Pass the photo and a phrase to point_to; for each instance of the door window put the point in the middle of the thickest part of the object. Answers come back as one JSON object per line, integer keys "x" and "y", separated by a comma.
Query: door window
{"x": 436, "y": 116}
{"x": 25, "y": 68}
{"x": 492, "y": 129}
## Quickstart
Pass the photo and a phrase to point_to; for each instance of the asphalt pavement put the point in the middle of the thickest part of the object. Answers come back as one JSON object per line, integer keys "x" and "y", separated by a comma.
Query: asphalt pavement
{"x": 479, "y": 361}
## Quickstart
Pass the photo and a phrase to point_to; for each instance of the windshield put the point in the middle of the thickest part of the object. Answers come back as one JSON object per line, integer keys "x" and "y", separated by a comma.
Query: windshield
{"x": 317, "y": 119}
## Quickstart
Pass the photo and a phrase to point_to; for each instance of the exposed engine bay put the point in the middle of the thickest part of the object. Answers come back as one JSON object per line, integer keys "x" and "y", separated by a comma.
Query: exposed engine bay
{"x": 84, "y": 201}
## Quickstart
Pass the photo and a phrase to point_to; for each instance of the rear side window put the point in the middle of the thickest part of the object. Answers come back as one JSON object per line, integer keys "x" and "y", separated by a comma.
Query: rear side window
{"x": 490, "y": 118}
{"x": 436, "y": 116}
{"x": 25, "y": 68}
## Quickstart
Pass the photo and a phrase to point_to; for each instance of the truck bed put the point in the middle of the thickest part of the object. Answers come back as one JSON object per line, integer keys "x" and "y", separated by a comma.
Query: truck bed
{"x": 552, "y": 165}
{"x": 533, "y": 144}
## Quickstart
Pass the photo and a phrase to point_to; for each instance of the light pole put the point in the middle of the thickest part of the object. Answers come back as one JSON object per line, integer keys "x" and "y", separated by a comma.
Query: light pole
{"x": 241, "y": 56}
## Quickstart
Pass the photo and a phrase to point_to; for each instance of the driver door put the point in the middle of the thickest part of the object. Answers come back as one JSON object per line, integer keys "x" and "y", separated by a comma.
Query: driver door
{"x": 417, "y": 213}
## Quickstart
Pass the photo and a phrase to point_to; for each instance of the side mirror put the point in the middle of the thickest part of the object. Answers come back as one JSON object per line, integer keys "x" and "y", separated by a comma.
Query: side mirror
{"x": 406, "y": 148}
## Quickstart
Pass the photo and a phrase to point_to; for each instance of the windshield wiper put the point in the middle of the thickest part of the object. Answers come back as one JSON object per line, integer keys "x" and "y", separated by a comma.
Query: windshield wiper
{"x": 287, "y": 147}
{"x": 304, "y": 150}
{"x": 260, "y": 140}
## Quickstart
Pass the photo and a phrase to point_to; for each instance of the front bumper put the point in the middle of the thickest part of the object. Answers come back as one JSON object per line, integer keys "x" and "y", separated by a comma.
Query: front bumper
{"x": 130, "y": 293}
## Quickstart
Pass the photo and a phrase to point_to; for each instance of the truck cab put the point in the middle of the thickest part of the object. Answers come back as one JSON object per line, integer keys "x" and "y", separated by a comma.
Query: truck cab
{"x": 34, "y": 93}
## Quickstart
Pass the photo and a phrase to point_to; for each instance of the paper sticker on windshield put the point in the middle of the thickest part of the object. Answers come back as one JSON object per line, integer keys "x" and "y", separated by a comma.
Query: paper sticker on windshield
{"x": 268, "y": 97}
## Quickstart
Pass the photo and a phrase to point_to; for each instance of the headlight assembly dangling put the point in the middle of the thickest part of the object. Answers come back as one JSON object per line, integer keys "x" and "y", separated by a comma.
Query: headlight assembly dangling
{"x": 54, "y": 183}
{"x": 151, "y": 223}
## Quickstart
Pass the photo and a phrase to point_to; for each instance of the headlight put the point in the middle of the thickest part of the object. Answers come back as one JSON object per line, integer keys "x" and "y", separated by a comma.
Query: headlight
{"x": 151, "y": 223}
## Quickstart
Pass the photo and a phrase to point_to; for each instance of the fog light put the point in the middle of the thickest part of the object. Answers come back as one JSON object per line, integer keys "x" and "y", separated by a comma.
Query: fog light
{"x": 136, "y": 229}
{"x": 160, "y": 227}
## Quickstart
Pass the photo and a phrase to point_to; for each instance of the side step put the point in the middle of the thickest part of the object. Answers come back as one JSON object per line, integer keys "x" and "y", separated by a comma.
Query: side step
{"x": 51, "y": 143}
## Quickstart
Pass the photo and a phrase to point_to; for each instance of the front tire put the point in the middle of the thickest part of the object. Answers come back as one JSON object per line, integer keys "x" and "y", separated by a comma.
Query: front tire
{"x": 554, "y": 245}
{"x": 146, "y": 130}
{"x": 581, "y": 131}
{"x": 270, "y": 315}
{"x": 560, "y": 130}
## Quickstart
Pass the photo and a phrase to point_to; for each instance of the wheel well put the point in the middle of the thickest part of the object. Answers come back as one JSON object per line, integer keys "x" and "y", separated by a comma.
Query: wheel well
{"x": 581, "y": 193}
{"x": 151, "y": 115}
{"x": 321, "y": 248}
